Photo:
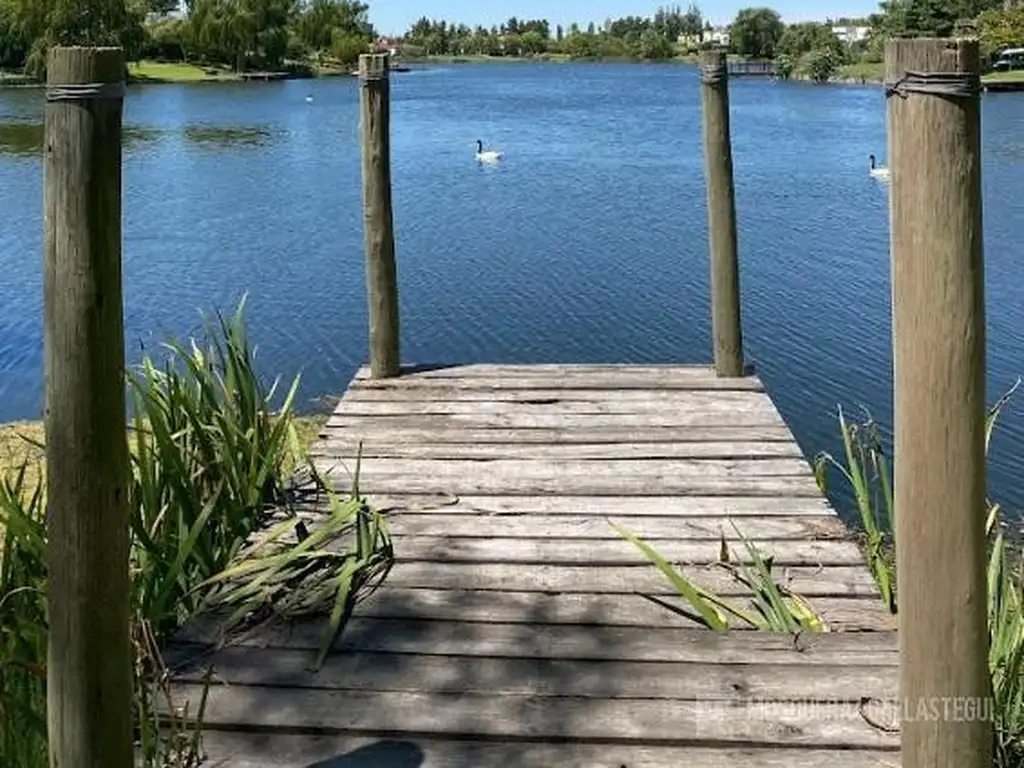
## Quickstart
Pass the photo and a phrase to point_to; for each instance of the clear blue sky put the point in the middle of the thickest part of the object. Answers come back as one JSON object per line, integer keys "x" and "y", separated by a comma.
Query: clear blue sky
{"x": 394, "y": 17}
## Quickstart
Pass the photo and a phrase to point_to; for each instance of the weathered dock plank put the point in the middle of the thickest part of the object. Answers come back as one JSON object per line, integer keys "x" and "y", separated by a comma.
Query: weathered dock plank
{"x": 539, "y": 717}
{"x": 605, "y": 507}
{"x": 809, "y": 581}
{"x": 518, "y": 626}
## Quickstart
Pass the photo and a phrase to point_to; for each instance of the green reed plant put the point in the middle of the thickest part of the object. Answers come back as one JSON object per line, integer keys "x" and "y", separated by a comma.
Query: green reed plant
{"x": 23, "y": 626}
{"x": 774, "y": 607}
{"x": 867, "y": 471}
{"x": 315, "y": 573}
{"x": 210, "y": 458}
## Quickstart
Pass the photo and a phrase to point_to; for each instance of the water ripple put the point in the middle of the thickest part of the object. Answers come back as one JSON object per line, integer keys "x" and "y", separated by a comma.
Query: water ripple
{"x": 589, "y": 243}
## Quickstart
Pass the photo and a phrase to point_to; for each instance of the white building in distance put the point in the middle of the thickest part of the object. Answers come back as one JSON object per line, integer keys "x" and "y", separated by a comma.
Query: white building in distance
{"x": 851, "y": 35}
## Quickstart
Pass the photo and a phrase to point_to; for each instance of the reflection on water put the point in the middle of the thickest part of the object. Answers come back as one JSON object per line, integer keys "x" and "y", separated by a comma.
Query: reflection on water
{"x": 227, "y": 135}
{"x": 589, "y": 244}
{"x": 25, "y": 139}
{"x": 19, "y": 139}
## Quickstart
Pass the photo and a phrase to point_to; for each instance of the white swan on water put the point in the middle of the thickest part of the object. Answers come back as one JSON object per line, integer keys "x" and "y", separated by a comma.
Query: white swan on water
{"x": 878, "y": 171}
{"x": 488, "y": 156}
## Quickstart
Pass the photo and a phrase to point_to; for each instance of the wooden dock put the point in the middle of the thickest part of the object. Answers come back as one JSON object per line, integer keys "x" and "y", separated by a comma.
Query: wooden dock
{"x": 517, "y": 628}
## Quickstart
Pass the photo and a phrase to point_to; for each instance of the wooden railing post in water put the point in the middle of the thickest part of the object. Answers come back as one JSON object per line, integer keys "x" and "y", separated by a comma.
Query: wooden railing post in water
{"x": 725, "y": 269}
{"x": 939, "y": 401}
{"x": 381, "y": 272}
{"x": 89, "y": 674}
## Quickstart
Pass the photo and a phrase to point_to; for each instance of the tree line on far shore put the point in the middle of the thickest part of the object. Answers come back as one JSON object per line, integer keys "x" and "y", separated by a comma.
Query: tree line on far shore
{"x": 281, "y": 34}
{"x": 813, "y": 49}
{"x": 241, "y": 34}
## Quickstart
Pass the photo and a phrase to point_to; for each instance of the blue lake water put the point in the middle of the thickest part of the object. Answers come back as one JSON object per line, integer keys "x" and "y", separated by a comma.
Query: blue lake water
{"x": 588, "y": 244}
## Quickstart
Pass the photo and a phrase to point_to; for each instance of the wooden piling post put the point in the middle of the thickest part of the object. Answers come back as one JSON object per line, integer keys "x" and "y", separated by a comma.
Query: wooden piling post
{"x": 725, "y": 271}
{"x": 938, "y": 311}
{"x": 381, "y": 272}
{"x": 89, "y": 673}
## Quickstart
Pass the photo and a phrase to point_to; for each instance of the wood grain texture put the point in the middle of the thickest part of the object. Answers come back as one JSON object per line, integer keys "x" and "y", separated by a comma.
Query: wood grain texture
{"x": 655, "y": 375}
{"x": 451, "y": 549}
{"x": 809, "y": 581}
{"x": 727, "y": 335}
{"x": 545, "y": 717}
{"x": 534, "y": 419}
{"x": 613, "y": 610}
{"x": 748, "y": 405}
{"x": 378, "y": 220}
{"x": 412, "y": 523}
{"x": 388, "y": 481}
{"x": 554, "y": 641}
{"x": 647, "y": 470}
{"x": 624, "y": 380}
{"x": 383, "y": 447}
{"x": 939, "y": 403}
{"x": 289, "y": 668}
{"x": 627, "y": 436}
{"x": 89, "y": 689}
{"x": 604, "y": 507}
{"x": 670, "y": 398}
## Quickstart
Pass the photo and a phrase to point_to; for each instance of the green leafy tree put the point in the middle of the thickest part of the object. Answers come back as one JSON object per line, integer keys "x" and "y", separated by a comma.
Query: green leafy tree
{"x": 802, "y": 38}
{"x": 346, "y": 47}
{"x": 655, "y": 46}
{"x": 1000, "y": 29}
{"x": 29, "y": 27}
{"x": 756, "y": 32}
{"x": 579, "y": 45}
{"x": 321, "y": 21}
{"x": 821, "y": 65}
{"x": 784, "y": 66}
{"x": 533, "y": 42}
{"x": 927, "y": 17}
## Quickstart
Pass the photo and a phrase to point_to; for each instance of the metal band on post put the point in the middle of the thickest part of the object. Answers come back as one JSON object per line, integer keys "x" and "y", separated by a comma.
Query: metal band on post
{"x": 961, "y": 85}
{"x": 86, "y": 92}
{"x": 713, "y": 73}
{"x": 373, "y": 67}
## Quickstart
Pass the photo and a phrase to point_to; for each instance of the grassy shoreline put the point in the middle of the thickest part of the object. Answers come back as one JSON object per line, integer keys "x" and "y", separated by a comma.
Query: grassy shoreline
{"x": 21, "y": 443}
{"x": 161, "y": 72}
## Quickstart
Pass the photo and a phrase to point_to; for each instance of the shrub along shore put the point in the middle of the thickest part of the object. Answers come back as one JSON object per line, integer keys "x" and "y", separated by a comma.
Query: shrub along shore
{"x": 218, "y": 527}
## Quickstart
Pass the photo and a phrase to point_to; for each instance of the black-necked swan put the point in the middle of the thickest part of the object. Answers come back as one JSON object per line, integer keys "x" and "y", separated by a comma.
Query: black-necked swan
{"x": 488, "y": 156}
{"x": 878, "y": 171}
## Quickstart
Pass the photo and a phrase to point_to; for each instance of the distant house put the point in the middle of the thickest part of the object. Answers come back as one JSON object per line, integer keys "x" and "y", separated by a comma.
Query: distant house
{"x": 387, "y": 45}
{"x": 716, "y": 36}
{"x": 851, "y": 35}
